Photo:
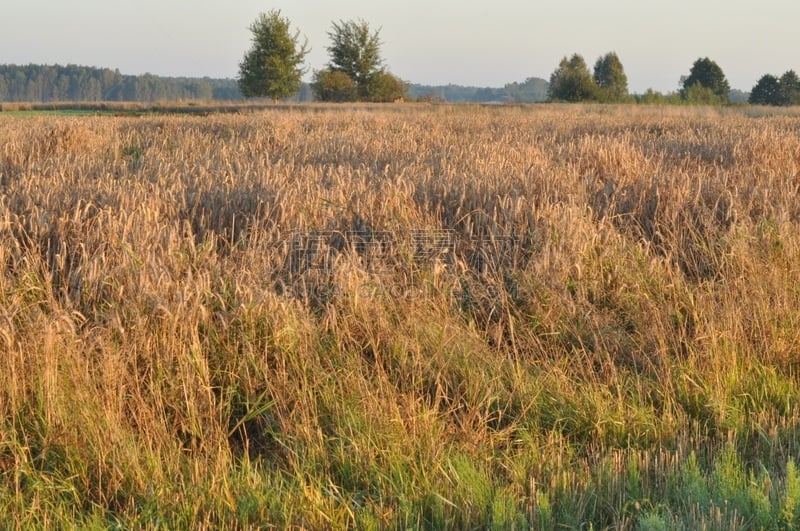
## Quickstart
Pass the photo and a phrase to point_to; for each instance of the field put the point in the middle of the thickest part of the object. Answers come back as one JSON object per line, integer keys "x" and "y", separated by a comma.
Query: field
{"x": 407, "y": 316}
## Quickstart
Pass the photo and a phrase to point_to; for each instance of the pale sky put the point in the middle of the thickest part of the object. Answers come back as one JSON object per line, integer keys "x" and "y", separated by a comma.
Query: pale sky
{"x": 488, "y": 43}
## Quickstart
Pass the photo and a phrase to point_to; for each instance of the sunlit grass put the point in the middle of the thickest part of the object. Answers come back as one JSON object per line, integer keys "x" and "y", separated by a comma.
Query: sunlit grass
{"x": 403, "y": 317}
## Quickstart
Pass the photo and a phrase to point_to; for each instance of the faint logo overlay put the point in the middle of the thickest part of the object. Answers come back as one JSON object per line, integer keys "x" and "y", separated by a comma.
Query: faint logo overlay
{"x": 311, "y": 257}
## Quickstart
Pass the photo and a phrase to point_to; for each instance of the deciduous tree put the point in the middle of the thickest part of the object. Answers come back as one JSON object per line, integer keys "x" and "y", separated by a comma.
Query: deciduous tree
{"x": 610, "y": 78}
{"x": 767, "y": 91}
{"x": 355, "y": 50}
{"x": 355, "y": 71}
{"x": 790, "y": 88}
{"x": 707, "y": 74}
{"x": 273, "y": 66}
{"x": 572, "y": 81}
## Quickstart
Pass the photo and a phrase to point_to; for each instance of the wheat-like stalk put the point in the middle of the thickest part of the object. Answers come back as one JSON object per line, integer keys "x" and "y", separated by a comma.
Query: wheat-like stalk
{"x": 410, "y": 316}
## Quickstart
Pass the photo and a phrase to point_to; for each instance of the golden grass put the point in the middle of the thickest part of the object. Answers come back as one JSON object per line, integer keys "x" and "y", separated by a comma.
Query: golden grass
{"x": 414, "y": 316}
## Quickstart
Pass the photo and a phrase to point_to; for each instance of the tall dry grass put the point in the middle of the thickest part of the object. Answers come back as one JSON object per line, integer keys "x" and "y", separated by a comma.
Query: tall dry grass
{"x": 401, "y": 317}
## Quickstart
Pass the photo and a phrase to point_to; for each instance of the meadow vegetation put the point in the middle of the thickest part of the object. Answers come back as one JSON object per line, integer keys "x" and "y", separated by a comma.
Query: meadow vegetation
{"x": 401, "y": 317}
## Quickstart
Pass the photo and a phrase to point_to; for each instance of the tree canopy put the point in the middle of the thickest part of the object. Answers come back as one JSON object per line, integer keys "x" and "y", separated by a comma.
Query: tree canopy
{"x": 707, "y": 74}
{"x": 355, "y": 71}
{"x": 273, "y": 66}
{"x": 790, "y": 88}
{"x": 572, "y": 81}
{"x": 771, "y": 90}
{"x": 355, "y": 50}
{"x": 767, "y": 91}
{"x": 332, "y": 85}
{"x": 383, "y": 87}
{"x": 610, "y": 78}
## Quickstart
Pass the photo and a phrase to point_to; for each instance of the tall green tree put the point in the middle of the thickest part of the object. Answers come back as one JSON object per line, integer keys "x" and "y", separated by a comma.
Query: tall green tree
{"x": 572, "y": 81}
{"x": 273, "y": 65}
{"x": 610, "y": 78}
{"x": 355, "y": 50}
{"x": 767, "y": 91}
{"x": 355, "y": 71}
{"x": 790, "y": 88}
{"x": 707, "y": 74}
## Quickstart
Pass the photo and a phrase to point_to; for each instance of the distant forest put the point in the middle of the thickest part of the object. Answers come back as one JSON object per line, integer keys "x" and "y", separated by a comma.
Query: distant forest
{"x": 51, "y": 83}
{"x": 45, "y": 83}
{"x": 532, "y": 89}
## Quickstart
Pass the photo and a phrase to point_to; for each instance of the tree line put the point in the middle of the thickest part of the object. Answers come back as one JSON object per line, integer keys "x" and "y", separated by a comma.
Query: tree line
{"x": 71, "y": 83}
{"x": 706, "y": 84}
{"x": 83, "y": 83}
{"x": 573, "y": 82}
{"x": 273, "y": 67}
{"x": 532, "y": 90}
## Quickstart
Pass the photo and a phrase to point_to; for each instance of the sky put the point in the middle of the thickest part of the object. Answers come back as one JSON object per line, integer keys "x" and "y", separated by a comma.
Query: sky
{"x": 488, "y": 43}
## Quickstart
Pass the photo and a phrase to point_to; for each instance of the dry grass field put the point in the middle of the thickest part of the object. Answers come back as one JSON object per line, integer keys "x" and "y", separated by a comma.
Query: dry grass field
{"x": 401, "y": 317}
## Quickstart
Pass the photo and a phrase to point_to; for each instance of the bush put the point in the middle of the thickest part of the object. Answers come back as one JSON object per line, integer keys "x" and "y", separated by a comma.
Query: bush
{"x": 331, "y": 85}
{"x": 384, "y": 87}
